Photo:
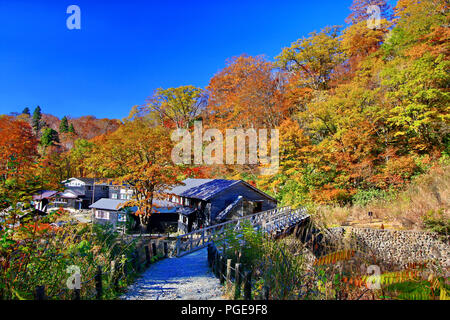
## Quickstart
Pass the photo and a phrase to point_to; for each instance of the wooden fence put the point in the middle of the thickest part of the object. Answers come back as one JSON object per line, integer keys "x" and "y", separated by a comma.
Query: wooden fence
{"x": 229, "y": 275}
{"x": 109, "y": 275}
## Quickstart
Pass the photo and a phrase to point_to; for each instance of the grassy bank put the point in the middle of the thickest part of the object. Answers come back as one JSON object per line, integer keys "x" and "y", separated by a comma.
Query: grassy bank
{"x": 422, "y": 205}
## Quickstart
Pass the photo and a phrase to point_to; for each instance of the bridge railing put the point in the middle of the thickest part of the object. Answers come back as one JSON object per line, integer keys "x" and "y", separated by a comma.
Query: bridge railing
{"x": 200, "y": 238}
{"x": 280, "y": 222}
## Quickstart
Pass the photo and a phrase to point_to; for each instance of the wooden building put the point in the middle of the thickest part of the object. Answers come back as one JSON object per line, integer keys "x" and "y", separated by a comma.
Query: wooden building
{"x": 206, "y": 202}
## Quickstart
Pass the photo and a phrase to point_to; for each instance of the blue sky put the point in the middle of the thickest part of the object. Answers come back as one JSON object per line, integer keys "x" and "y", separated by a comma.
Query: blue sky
{"x": 127, "y": 49}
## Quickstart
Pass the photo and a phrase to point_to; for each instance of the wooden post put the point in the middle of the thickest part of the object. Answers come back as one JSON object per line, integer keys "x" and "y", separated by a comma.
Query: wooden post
{"x": 76, "y": 294}
{"x": 178, "y": 246}
{"x": 136, "y": 261}
{"x": 213, "y": 260}
{"x": 237, "y": 281}
{"x": 114, "y": 275}
{"x": 265, "y": 293}
{"x": 228, "y": 275}
{"x": 40, "y": 293}
{"x": 208, "y": 250}
{"x": 98, "y": 283}
{"x": 217, "y": 264}
{"x": 123, "y": 265}
{"x": 248, "y": 286}
{"x": 154, "y": 252}
{"x": 148, "y": 259}
{"x": 222, "y": 270}
{"x": 209, "y": 255}
{"x": 166, "y": 250}
{"x": 113, "y": 268}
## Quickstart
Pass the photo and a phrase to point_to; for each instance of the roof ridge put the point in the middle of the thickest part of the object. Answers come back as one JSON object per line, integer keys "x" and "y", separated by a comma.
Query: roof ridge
{"x": 186, "y": 192}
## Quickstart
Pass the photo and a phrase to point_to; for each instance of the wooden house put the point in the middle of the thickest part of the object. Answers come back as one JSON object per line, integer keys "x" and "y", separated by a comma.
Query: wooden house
{"x": 206, "y": 202}
{"x": 80, "y": 193}
{"x": 110, "y": 211}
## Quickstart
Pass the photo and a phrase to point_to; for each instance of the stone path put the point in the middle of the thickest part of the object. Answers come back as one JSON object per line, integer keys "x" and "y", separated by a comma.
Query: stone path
{"x": 185, "y": 278}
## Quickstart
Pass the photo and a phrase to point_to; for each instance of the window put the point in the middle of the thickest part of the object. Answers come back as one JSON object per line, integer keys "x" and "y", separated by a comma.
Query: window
{"x": 114, "y": 195}
{"x": 100, "y": 214}
{"x": 121, "y": 217}
{"x": 123, "y": 196}
{"x": 89, "y": 188}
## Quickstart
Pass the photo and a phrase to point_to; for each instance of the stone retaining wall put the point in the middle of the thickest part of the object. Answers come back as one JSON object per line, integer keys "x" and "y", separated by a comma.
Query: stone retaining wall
{"x": 398, "y": 247}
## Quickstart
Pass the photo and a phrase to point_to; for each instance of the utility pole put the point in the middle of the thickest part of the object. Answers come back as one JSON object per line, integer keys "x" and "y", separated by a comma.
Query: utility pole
{"x": 93, "y": 192}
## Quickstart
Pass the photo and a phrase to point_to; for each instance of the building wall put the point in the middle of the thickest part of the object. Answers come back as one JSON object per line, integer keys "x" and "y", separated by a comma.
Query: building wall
{"x": 118, "y": 192}
{"x": 222, "y": 200}
{"x": 112, "y": 217}
{"x": 101, "y": 191}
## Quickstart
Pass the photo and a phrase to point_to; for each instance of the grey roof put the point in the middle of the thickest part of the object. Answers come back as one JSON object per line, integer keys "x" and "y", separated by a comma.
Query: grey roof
{"x": 107, "y": 204}
{"x": 208, "y": 190}
{"x": 188, "y": 184}
{"x": 44, "y": 194}
{"x": 161, "y": 206}
{"x": 186, "y": 211}
{"x": 159, "y": 203}
{"x": 89, "y": 181}
{"x": 77, "y": 191}
{"x": 86, "y": 180}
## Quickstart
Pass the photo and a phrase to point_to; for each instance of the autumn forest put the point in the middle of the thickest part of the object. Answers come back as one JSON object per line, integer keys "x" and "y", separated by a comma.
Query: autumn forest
{"x": 362, "y": 113}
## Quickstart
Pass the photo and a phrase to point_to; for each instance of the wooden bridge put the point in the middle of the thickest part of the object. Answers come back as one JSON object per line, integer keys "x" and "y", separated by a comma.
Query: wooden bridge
{"x": 273, "y": 222}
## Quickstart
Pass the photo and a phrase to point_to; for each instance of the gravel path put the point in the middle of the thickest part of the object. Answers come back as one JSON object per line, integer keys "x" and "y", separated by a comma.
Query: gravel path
{"x": 185, "y": 278}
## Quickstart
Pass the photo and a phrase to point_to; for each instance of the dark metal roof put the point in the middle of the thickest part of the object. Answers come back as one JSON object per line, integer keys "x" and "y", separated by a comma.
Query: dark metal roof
{"x": 259, "y": 191}
{"x": 187, "y": 184}
{"x": 208, "y": 190}
{"x": 221, "y": 216}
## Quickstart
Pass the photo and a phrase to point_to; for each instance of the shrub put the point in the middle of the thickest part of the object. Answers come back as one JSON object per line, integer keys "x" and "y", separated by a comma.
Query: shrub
{"x": 437, "y": 222}
{"x": 364, "y": 197}
{"x": 37, "y": 253}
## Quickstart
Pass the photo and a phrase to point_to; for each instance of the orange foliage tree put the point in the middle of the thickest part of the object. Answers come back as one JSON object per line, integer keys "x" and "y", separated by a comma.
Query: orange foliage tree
{"x": 139, "y": 155}
{"x": 18, "y": 155}
{"x": 246, "y": 94}
{"x": 18, "y": 146}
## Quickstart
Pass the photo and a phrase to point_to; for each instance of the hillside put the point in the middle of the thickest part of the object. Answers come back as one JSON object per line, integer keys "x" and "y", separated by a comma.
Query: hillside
{"x": 86, "y": 127}
{"x": 422, "y": 205}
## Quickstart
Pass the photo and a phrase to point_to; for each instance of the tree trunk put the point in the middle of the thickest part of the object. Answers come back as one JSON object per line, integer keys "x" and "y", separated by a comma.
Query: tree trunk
{"x": 144, "y": 223}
